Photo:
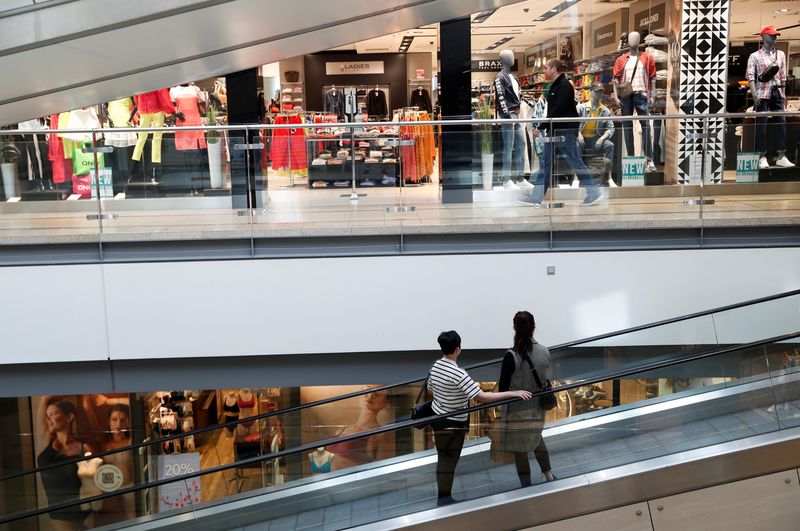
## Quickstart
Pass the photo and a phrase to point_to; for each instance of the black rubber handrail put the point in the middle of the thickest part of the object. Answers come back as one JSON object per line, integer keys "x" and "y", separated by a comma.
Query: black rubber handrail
{"x": 355, "y": 394}
{"x": 611, "y": 375}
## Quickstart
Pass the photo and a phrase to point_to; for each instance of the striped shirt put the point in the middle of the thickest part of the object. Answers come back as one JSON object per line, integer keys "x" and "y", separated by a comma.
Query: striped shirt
{"x": 452, "y": 388}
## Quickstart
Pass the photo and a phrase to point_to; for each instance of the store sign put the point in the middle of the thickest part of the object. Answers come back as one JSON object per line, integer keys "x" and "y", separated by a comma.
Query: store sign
{"x": 420, "y": 73}
{"x": 178, "y": 494}
{"x": 106, "y": 184}
{"x": 633, "y": 171}
{"x": 606, "y": 35}
{"x": 747, "y": 167}
{"x": 353, "y": 68}
{"x": 484, "y": 65}
{"x": 652, "y": 19}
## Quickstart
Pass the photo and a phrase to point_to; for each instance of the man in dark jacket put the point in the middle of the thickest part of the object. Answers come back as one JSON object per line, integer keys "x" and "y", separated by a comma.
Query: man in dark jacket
{"x": 561, "y": 104}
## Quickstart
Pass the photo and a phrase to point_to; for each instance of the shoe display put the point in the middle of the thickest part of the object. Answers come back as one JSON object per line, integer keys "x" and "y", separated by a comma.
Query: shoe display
{"x": 783, "y": 162}
{"x": 611, "y": 183}
{"x": 650, "y": 167}
{"x": 762, "y": 163}
{"x": 592, "y": 198}
{"x": 510, "y": 185}
{"x": 575, "y": 183}
{"x": 524, "y": 184}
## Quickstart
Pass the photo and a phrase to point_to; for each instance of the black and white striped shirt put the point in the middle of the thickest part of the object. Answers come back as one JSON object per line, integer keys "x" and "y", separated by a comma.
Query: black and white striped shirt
{"x": 452, "y": 388}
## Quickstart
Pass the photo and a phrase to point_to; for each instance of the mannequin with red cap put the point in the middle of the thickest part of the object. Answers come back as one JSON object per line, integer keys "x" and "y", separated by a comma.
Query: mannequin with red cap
{"x": 766, "y": 73}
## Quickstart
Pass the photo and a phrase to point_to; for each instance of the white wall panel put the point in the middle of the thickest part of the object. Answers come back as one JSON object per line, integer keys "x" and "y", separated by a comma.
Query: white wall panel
{"x": 52, "y": 314}
{"x": 402, "y": 303}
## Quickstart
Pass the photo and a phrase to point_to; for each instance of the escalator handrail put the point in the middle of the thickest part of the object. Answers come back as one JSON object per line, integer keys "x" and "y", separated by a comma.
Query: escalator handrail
{"x": 611, "y": 375}
{"x": 355, "y": 394}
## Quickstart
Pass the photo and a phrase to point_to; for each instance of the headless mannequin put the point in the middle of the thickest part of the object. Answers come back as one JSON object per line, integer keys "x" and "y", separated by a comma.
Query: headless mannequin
{"x": 231, "y": 410}
{"x": 775, "y": 102}
{"x": 629, "y": 104}
{"x": 86, "y": 471}
{"x": 247, "y": 408}
{"x": 508, "y": 107}
{"x": 320, "y": 459}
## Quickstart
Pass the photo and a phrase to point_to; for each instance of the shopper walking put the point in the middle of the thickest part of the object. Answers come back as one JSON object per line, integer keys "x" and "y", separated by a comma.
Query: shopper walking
{"x": 452, "y": 390}
{"x": 561, "y": 104}
{"x": 522, "y": 422}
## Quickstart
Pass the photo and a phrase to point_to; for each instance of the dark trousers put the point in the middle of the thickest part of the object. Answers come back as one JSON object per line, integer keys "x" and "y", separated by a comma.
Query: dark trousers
{"x": 449, "y": 437}
{"x": 569, "y": 148}
{"x": 35, "y": 148}
{"x": 637, "y": 102}
{"x": 524, "y": 465}
{"x": 778, "y": 128}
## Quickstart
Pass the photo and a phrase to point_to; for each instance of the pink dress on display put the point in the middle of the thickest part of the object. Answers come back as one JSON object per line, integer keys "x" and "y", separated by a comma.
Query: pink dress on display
{"x": 187, "y": 101}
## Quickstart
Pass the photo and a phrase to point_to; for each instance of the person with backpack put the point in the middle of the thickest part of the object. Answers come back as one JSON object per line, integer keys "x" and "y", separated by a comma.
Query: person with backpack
{"x": 526, "y": 367}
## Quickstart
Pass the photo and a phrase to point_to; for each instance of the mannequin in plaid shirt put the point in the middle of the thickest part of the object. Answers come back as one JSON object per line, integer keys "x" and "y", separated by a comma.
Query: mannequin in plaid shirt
{"x": 769, "y": 95}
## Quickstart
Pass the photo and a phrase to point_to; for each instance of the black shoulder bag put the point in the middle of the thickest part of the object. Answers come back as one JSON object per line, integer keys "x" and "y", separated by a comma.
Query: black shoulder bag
{"x": 547, "y": 400}
{"x": 625, "y": 88}
{"x": 423, "y": 410}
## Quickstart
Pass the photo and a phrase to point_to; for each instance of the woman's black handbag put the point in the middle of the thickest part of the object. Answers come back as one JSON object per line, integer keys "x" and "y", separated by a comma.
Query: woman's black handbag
{"x": 423, "y": 410}
{"x": 547, "y": 400}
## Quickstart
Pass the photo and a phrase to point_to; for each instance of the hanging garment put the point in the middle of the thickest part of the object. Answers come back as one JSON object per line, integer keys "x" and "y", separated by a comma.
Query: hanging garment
{"x": 187, "y": 101}
{"x": 376, "y": 103}
{"x": 154, "y": 102}
{"x": 288, "y": 150}
{"x": 119, "y": 115}
{"x": 82, "y": 119}
{"x": 421, "y": 98}
{"x": 334, "y": 102}
{"x": 350, "y": 101}
{"x": 62, "y": 170}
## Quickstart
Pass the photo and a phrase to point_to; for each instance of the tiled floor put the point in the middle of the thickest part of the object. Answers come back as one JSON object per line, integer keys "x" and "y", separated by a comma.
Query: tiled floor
{"x": 570, "y": 457}
{"x": 298, "y": 212}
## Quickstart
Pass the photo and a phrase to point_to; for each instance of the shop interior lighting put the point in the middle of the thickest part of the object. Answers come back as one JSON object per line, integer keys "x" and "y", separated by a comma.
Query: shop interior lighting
{"x": 556, "y": 10}
{"x": 405, "y": 44}
{"x": 482, "y": 16}
{"x": 499, "y": 43}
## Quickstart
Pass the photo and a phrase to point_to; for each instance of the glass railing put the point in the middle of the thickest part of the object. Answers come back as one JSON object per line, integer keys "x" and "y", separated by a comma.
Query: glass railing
{"x": 412, "y": 177}
{"x": 706, "y": 398}
{"x": 239, "y": 460}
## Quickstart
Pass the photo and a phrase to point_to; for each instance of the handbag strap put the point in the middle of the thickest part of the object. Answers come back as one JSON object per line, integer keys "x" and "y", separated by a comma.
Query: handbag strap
{"x": 424, "y": 388}
{"x": 535, "y": 374}
{"x": 633, "y": 74}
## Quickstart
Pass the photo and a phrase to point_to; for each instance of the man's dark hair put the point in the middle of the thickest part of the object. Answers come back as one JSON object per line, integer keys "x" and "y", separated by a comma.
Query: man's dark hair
{"x": 555, "y": 63}
{"x": 449, "y": 342}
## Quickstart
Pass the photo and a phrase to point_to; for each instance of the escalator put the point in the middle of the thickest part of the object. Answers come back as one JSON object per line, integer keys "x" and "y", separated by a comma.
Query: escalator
{"x": 731, "y": 412}
{"x": 67, "y": 54}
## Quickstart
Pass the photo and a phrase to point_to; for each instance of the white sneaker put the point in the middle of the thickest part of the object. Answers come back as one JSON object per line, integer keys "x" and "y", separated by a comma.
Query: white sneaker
{"x": 783, "y": 162}
{"x": 510, "y": 185}
{"x": 762, "y": 163}
{"x": 650, "y": 168}
{"x": 525, "y": 184}
{"x": 611, "y": 183}
{"x": 576, "y": 183}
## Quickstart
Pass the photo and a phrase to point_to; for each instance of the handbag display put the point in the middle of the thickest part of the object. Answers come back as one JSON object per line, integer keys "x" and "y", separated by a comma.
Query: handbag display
{"x": 625, "y": 88}
{"x": 423, "y": 410}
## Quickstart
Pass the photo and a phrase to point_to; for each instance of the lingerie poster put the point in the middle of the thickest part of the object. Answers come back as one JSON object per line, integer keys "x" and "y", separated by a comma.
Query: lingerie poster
{"x": 346, "y": 417}
{"x": 65, "y": 427}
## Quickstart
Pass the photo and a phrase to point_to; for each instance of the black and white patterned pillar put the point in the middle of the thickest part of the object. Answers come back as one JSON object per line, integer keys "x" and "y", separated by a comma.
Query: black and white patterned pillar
{"x": 702, "y": 86}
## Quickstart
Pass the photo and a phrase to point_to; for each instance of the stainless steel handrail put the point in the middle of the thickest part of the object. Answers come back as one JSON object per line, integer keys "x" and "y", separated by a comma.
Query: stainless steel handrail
{"x": 362, "y": 125}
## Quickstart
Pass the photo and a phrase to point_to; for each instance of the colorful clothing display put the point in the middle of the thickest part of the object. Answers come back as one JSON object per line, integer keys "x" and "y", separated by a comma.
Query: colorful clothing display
{"x": 119, "y": 115}
{"x": 187, "y": 102}
{"x": 417, "y": 159}
{"x": 288, "y": 150}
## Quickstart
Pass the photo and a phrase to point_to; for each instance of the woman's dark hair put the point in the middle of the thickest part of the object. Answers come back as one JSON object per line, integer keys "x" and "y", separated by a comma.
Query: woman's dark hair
{"x": 524, "y": 325}
{"x": 122, "y": 408}
{"x": 66, "y": 407}
{"x": 449, "y": 342}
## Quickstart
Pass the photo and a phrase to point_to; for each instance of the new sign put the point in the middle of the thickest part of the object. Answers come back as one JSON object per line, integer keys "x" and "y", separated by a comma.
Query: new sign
{"x": 353, "y": 68}
{"x": 633, "y": 171}
{"x": 747, "y": 167}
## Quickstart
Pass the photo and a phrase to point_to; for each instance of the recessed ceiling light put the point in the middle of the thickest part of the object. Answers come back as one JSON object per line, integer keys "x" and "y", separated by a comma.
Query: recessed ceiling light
{"x": 782, "y": 11}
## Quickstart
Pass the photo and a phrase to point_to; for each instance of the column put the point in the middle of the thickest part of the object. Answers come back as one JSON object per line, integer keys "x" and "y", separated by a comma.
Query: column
{"x": 242, "y": 89}
{"x": 456, "y": 147}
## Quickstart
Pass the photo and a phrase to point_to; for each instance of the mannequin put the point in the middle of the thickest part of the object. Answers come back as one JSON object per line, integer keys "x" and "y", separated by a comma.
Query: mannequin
{"x": 507, "y": 106}
{"x": 189, "y": 108}
{"x": 86, "y": 471}
{"x": 37, "y": 151}
{"x": 639, "y": 69}
{"x": 376, "y": 103}
{"x": 230, "y": 406}
{"x": 247, "y": 408}
{"x": 595, "y": 135}
{"x": 153, "y": 108}
{"x": 766, "y": 73}
{"x": 320, "y": 460}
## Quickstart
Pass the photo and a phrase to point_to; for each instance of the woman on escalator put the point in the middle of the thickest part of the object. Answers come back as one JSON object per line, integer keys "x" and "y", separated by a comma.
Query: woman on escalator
{"x": 522, "y": 422}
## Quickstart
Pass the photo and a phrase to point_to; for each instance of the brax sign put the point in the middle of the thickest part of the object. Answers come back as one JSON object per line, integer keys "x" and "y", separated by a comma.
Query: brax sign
{"x": 354, "y": 68}
{"x": 489, "y": 65}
